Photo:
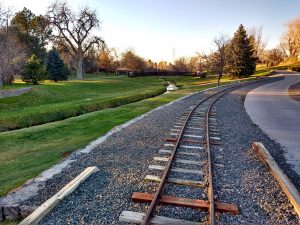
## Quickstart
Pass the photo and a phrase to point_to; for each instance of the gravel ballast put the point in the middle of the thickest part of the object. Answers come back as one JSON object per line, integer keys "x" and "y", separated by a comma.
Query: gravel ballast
{"x": 244, "y": 180}
{"x": 123, "y": 159}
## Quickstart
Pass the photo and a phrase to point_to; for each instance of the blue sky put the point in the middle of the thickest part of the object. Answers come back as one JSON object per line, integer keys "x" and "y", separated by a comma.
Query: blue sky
{"x": 154, "y": 27}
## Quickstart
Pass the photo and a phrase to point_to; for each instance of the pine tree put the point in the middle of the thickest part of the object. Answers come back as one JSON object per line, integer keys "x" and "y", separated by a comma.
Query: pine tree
{"x": 56, "y": 70}
{"x": 241, "y": 59}
{"x": 34, "y": 71}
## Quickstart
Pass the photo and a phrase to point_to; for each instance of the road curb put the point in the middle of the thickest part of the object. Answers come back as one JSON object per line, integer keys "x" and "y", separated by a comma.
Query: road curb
{"x": 287, "y": 186}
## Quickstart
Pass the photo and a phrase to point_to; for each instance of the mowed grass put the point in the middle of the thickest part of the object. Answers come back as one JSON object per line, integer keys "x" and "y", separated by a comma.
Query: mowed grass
{"x": 25, "y": 153}
{"x": 57, "y": 101}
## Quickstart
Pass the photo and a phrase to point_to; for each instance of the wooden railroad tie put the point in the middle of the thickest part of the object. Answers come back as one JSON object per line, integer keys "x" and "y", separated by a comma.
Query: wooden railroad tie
{"x": 185, "y": 202}
{"x": 137, "y": 218}
{"x": 192, "y": 141}
{"x": 177, "y": 181}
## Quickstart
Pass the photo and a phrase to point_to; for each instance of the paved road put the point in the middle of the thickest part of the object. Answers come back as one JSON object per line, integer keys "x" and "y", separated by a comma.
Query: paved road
{"x": 278, "y": 115}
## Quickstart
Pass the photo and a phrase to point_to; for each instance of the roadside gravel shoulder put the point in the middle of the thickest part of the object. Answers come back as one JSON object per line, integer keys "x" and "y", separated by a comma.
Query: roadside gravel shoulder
{"x": 244, "y": 180}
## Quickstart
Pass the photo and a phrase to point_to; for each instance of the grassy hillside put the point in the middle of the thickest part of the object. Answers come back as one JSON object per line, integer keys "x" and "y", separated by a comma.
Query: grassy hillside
{"x": 56, "y": 101}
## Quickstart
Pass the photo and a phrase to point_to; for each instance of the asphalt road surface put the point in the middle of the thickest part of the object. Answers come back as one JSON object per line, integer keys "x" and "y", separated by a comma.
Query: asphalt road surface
{"x": 278, "y": 115}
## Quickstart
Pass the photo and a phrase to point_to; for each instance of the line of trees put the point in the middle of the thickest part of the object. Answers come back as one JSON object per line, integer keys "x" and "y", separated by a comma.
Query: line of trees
{"x": 26, "y": 36}
{"x": 25, "y": 39}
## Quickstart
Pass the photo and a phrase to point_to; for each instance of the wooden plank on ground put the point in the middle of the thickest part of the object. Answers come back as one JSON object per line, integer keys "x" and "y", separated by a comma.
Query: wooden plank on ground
{"x": 137, "y": 218}
{"x": 287, "y": 186}
{"x": 185, "y": 202}
{"x": 47, "y": 206}
{"x": 192, "y": 183}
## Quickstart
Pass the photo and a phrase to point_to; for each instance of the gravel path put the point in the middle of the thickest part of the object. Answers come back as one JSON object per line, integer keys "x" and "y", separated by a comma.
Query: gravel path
{"x": 124, "y": 157}
{"x": 13, "y": 93}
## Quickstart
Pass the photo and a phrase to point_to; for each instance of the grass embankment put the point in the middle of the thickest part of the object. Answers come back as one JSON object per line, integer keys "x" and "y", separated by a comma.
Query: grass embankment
{"x": 57, "y": 101}
{"x": 27, "y": 152}
{"x": 292, "y": 65}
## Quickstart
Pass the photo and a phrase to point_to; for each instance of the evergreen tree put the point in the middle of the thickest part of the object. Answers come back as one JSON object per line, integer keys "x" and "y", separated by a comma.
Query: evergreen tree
{"x": 33, "y": 32}
{"x": 34, "y": 71}
{"x": 55, "y": 67}
{"x": 241, "y": 59}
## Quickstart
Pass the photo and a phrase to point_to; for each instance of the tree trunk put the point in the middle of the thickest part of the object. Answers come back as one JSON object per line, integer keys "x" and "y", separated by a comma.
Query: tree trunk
{"x": 1, "y": 80}
{"x": 219, "y": 76}
{"x": 80, "y": 67}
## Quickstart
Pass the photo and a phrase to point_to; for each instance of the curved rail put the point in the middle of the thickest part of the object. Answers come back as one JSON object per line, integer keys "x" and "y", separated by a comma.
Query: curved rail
{"x": 159, "y": 190}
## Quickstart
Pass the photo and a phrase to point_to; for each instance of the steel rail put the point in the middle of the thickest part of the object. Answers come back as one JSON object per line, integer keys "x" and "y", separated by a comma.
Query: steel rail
{"x": 210, "y": 171}
{"x": 151, "y": 208}
{"x": 155, "y": 199}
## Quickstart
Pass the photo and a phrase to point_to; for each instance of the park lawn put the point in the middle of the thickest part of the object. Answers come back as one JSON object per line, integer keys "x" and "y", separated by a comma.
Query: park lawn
{"x": 52, "y": 101}
{"x": 27, "y": 152}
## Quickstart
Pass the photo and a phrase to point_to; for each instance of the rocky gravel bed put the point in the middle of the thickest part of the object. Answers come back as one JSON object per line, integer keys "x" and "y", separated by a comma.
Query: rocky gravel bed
{"x": 124, "y": 157}
{"x": 13, "y": 93}
{"x": 123, "y": 160}
{"x": 244, "y": 180}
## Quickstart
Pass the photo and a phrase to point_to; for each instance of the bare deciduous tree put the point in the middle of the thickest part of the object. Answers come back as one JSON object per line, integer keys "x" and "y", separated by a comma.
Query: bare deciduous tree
{"x": 75, "y": 29}
{"x": 290, "y": 41}
{"x": 273, "y": 57}
{"x": 12, "y": 52}
{"x": 181, "y": 64}
{"x": 219, "y": 57}
{"x": 259, "y": 44}
{"x": 3, "y": 18}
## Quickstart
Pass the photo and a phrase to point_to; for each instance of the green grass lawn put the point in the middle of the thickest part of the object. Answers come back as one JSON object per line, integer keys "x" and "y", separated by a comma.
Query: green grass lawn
{"x": 56, "y": 101}
{"x": 10, "y": 222}
{"x": 25, "y": 153}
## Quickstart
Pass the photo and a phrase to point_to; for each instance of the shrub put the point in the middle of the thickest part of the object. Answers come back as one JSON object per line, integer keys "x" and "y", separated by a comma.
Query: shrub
{"x": 55, "y": 67}
{"x": 34, "y": 71}
{"x": 203, "y": 75}
{"x": 295, "y": 68}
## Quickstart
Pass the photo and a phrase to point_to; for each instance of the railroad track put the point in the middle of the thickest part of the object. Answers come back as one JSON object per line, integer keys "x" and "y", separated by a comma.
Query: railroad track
{"x": 185, "y": 161}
